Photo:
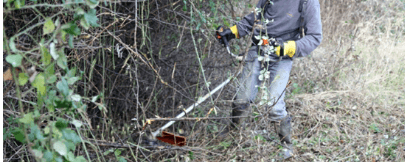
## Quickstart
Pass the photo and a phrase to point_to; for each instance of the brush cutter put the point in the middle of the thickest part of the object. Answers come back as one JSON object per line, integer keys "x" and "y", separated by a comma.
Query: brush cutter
{"x": 181, "y": 140}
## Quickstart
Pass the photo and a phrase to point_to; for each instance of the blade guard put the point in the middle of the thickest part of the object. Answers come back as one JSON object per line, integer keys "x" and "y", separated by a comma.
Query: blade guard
{"x": 172, "y": 139}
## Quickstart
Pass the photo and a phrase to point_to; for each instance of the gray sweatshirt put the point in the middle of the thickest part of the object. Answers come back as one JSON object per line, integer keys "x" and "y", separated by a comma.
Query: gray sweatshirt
{"x": 285, "y": 17}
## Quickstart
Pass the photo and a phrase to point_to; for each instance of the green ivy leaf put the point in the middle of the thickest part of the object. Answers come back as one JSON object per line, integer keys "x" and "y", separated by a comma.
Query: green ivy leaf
{"x": 63, "y": 87}
{"x": 46, "y": 57}
{"x": 50, "y": 70}
{"x": 62, "y": 61}
{"x": 48, "y": 155}
{"x": 37, "y": 153}
{"x": 71, "y": 45}
{"x": 71, "y": 28}
{"x": 71, "y": 135}
{"x": 108, "y": 152}
{"x": 39, "y": 83}
{"x": 49, "y": 27}
{"x": 92, "y": 3}
{"x": 121, "y": 159}
{"x": 72, "y": 80}
{"x": 84, "y": 24}
{"x": 70, "y": 156}
{"x": 18, "y": 135}
{"x": 22, "y": 78}
{"x": 117, "y": 152}
{"x": 76, "y": 98}
{"x": 61, "y": 124}
{"x": 19, "y": 3}
{"x": 27, "y": 118}
{"x": 36, "y": 132}
{"x": 77, "y": 123}
{"x": 63, "y": 104}
{"x": 91, "y": 18}
{"x": 12, "y": 45}
{"x": 53, "y": 51}
{"x": 80, "y": 159}
{"x": 14, "y": 60}
{"x": 60, "y": 147}
{"x": 51, "y": 79}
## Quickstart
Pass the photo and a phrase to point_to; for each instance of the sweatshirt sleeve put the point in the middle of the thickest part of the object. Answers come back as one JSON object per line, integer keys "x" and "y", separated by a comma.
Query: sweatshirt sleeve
{"x": 313, "y": 30}
{"x": 246, "y": 24}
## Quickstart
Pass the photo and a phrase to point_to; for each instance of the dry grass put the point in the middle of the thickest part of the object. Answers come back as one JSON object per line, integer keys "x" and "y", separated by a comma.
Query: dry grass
{"x": 348, "y": 99}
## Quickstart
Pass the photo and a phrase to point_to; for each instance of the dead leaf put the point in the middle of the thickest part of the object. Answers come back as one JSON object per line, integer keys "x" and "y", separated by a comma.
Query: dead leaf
{"x": 7, "y": 75}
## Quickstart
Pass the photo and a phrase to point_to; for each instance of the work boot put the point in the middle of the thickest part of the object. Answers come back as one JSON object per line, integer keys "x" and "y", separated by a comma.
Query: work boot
{"x": 240, "y": 109}
{"x": 237, "y": 110}
{"x": 284, "y": 133}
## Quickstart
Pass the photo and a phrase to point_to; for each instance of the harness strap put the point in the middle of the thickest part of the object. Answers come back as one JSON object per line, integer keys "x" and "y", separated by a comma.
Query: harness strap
{"x": 301, "y": 9}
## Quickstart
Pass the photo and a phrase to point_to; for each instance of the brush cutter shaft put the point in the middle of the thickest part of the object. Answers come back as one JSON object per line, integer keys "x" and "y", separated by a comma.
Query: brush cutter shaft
{"x": 154, "y": 134}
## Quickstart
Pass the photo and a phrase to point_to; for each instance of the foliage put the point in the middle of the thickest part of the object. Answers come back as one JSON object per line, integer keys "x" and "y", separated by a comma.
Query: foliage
{"x": 44, "y": 128}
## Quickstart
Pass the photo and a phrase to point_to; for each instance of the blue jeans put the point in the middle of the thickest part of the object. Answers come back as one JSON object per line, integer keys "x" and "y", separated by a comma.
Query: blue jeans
{"x": 249, "y": 80}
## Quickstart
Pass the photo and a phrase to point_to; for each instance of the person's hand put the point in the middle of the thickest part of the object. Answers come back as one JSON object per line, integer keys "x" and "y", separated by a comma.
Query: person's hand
{"x": 228, "y": 34}
{"x": 286, "y": 49}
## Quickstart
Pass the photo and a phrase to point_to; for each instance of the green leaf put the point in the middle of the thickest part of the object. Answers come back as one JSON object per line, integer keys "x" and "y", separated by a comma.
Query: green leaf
{"x": 71, "y": 45}
{"x": 94, "y": 99}
{"x": 70, "y": 146}
{"x": 47, "y": 130}
{"x": 72, "y": 80}
{"x": 71, "y": 135}
{"x": 49, "y": 27}
{"x": 117, "y": 152}
{"x": 48, "y": 155}
{"x": 14, "y": 60}
{"x": 39, "y": 83}
{"x": 71, "y": 28}
{"x": 92, "y": 3}
{"x": 63, "y": 35}
{"x": 19, "y": 3}
{"x": 50, "y": 70}
{"x": 63, "y": 104}
{"x": 70, "y": 156}
{"x": 46, "y": 57}
{"x": 108, "y": 152}
{"x": 22, "y": 78}
{"x": 52, "y": 79}
{"x": 84, "y": 24}
{"x": 37, "y": 153}
{"x": 60, "y": 147}
{"x": 77, "y": 123}
{"x": 80, "y": 159}
{"x": 91, "y": 18}
{"x": 121, "y": 159}
{"x": 63, "y": 87}
{"x": 76, "y": 98}
{"x": 18, "y": 135}
{"x": 12, "y": 45}
{"x": 36, "y": 132}
{"x": 61, "y": 124}
{"x": 54, "y": 54}
{"x": 80, "y": 11}
{"x": 62, "y": 61}
{"x": 27, "y": 118}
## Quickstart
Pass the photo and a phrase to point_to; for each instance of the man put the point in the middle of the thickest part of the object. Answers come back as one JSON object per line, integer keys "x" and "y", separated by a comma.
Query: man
{"x": 296, "y": 28}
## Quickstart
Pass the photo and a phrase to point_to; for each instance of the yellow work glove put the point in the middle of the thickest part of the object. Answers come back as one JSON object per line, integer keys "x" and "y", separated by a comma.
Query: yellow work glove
{"x": 234, "y": 30}
{"x": 288, "y": 48}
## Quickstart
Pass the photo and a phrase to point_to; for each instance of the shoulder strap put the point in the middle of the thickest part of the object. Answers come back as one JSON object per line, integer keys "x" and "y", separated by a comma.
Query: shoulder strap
{"x": 301, "y": 9}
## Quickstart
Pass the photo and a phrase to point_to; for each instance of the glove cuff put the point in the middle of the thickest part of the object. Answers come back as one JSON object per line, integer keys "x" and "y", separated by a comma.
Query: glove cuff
{"x": 234, "y": 30}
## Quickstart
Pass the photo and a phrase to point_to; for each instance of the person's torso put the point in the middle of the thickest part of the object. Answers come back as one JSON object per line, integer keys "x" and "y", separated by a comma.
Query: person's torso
{"x": 285, "y": 18}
